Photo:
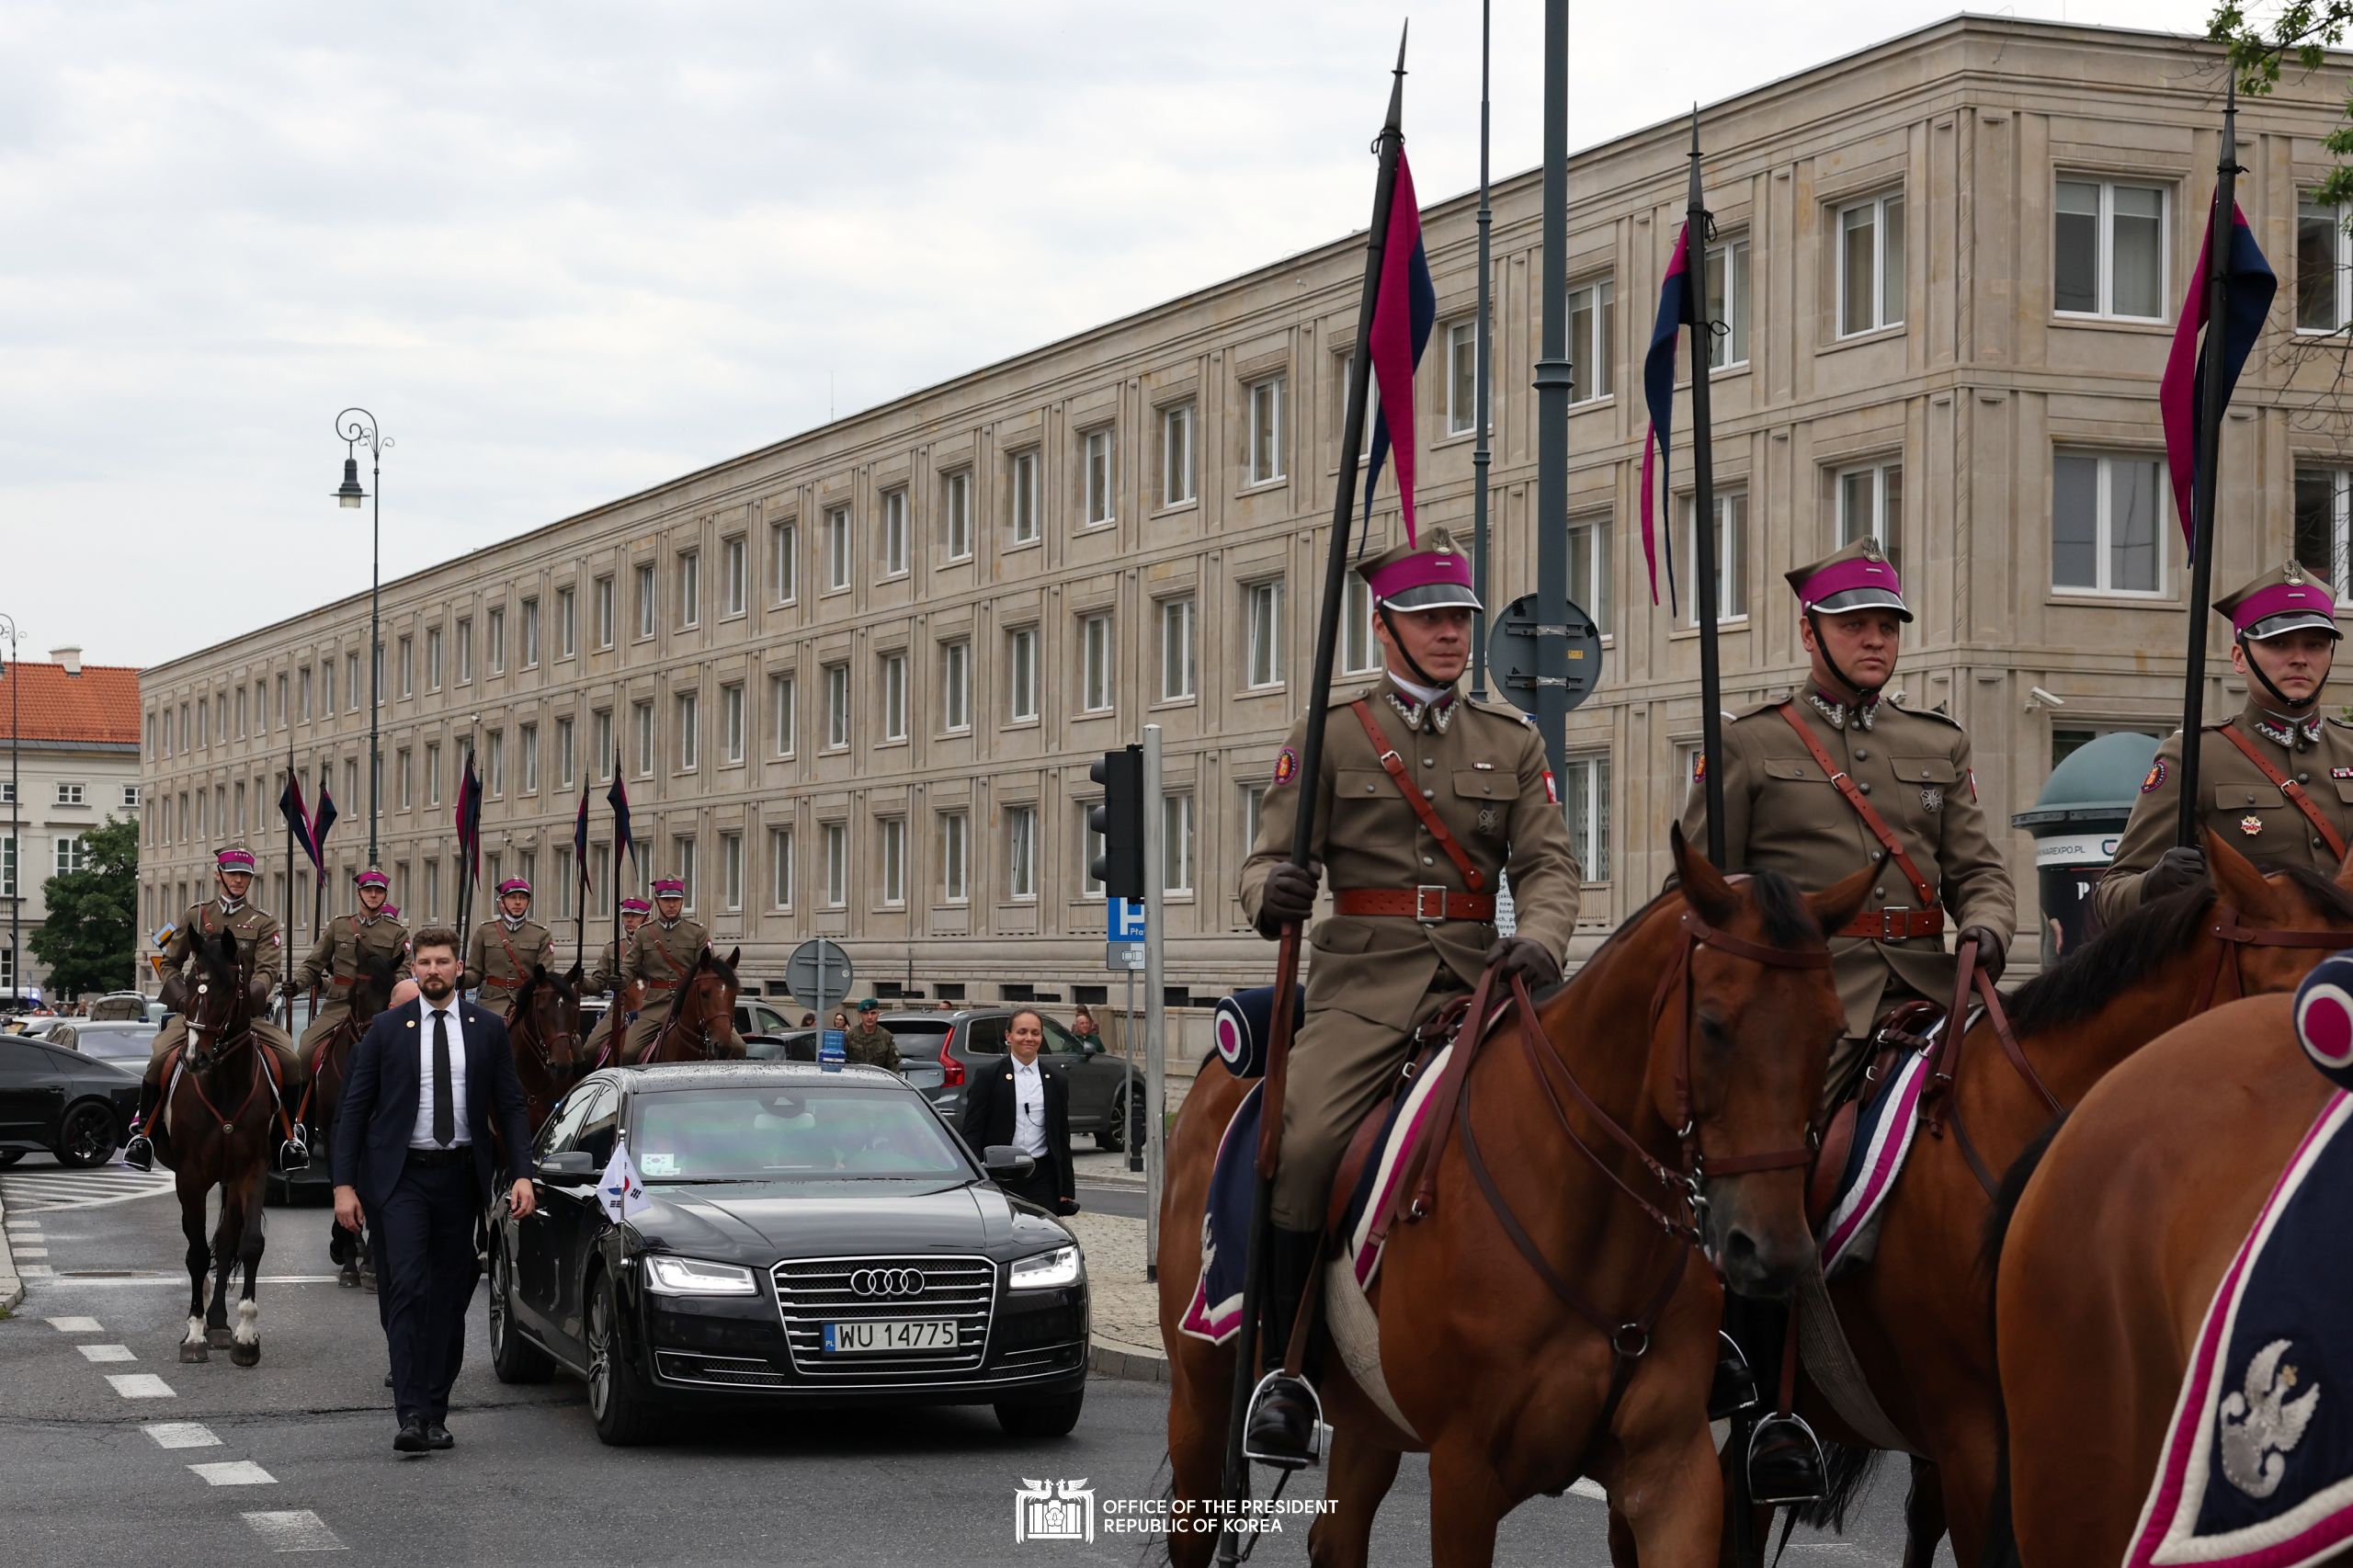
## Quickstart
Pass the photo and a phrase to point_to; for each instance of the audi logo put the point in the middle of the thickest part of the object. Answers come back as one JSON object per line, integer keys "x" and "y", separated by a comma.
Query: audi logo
{"x": 887, "y": 1282}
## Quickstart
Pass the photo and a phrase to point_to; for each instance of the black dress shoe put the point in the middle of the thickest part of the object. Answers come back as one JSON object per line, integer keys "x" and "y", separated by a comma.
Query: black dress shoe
{"x": 437, "y": 1437}
{"x": 388, "y": 1380}
{"x": 411, "y": 1437}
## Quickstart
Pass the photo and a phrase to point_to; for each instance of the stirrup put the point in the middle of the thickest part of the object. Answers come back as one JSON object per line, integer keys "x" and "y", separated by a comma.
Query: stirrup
{"x": 1734, "y": 1389}
{"x": 1785, "y": 1462}
{"x": 1281, "y": 1383}
{"x": 294, "y": 1154}
{"x": 139, "y": 1154}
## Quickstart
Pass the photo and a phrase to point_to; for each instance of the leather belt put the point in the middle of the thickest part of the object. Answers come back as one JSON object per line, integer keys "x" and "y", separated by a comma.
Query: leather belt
{"x": 454, "y": 1154}
{"x": 1429, "y": 903}
{"x": 1894, "y": 924}
{"x": 659, "y": 985}
{"x": 339, "y": 980}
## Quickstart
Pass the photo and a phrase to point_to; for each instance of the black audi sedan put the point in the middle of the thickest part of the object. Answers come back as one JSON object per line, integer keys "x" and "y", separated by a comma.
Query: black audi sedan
{"x": 810, "y": 1235}
{"x": 75, "y": 1107}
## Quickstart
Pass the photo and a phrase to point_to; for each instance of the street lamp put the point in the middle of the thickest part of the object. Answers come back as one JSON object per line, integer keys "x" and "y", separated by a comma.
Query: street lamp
{"x": 16, "y": 813}
{"x": 358, "y": 427}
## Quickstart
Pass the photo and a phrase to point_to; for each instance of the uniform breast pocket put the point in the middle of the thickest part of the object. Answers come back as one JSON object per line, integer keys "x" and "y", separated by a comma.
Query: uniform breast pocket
{"x": 1791, "y": 770}
{"x": 2246, "y": 798}
{"x": 2345, "y": 790}
{"x": 1361, "y": 795}
{"x": 1925, "y": 769}
{"x": 1483, "y": 784}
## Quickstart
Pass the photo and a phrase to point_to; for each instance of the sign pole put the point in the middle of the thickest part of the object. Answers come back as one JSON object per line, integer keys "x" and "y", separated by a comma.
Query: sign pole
{"x": 1156, "y": 1001}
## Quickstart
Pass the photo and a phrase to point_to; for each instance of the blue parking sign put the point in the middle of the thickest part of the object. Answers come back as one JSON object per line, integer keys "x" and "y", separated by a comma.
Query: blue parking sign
{"x": 1125, "y": 920}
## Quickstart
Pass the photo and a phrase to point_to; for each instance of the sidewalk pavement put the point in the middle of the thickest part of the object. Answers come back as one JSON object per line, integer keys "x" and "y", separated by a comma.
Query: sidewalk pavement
{"x": 12, "y": 1290}
{"x": 1124, "y": 1305}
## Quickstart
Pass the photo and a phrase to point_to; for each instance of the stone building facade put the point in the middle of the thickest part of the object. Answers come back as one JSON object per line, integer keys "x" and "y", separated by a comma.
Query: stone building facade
{"x": 74, "y": 765}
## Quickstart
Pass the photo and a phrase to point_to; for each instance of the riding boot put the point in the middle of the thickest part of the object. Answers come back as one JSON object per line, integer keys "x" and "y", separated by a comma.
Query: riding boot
{"x": 1284, "y": 1411}
{"x": 1785, "y": 1460}
{"x": 140, "y": 1153}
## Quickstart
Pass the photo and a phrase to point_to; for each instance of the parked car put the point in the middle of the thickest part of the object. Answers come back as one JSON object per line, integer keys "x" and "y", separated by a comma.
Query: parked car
{"x": 1107, "y": 1097}
{"x": 757, "y": 1023}
{"x": 108, "y": 1039}
{"x": 127, "y": 1007}
{"x": 811, "y": 1235}
{"x": 75, "y": 1107}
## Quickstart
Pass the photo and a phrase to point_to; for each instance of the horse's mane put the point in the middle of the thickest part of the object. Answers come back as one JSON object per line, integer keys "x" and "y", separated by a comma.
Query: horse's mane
{"x": 1789, "y": 921}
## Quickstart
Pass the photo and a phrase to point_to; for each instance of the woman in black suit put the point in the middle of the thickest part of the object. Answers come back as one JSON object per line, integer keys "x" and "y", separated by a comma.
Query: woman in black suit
{"x": 1019, "y": 1103}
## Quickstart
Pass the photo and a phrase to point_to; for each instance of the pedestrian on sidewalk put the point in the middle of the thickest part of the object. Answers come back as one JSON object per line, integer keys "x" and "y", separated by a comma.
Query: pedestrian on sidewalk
{"x": 1022, "y": 1104}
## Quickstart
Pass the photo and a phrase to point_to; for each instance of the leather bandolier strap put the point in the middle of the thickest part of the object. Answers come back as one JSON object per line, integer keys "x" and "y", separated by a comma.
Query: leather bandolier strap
{"x": 1394, "y": 766}
{"x": 2297, "y": 794}
{"x": 1928, "y": 918}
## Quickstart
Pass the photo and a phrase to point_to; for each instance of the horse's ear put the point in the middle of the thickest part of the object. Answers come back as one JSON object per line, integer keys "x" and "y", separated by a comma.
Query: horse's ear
{"x": 734, "y": 954}
{"x": 1839, "y": 903}
{"x": 1704, "y": 887}
{"x": 572, "y": 976}
{"x": 539, "y": 973}
{"x": 2236, "y": 882}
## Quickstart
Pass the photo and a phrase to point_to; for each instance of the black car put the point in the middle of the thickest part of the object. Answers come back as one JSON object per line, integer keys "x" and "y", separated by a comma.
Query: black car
{"x": 814, "y": 1235}
{"x": 1106, "y": 1096}
{"x": 75, "y": 1107}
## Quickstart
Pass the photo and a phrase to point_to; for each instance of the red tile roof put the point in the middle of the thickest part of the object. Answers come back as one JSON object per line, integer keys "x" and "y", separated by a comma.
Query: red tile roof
{"x": 100, "y": 705}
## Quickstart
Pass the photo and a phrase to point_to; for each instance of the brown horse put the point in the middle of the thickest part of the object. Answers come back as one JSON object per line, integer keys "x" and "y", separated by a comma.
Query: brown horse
{"x": 1700, "y": 1029}
{"x": 324, "y": 1093}
{"x": 700, "y": 1026}
{"x": 604, "y": 1042}
{"x": 2121, "y": 1230}
{"x": 1914, "y": 1314}
{"x": 543, "y": 1031}
{"x": 222, "y": 1114}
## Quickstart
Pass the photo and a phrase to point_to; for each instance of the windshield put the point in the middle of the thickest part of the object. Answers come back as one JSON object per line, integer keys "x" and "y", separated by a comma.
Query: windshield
{"x": 114, "y": 1045}
{"x": 804, "y": 1132}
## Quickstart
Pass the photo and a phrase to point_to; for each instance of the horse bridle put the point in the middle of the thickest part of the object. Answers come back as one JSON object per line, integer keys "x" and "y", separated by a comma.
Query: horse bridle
{"x": 670, "y": 1021}
{"x": 2225, "y": 927}
{"x": 542, "y": 1045}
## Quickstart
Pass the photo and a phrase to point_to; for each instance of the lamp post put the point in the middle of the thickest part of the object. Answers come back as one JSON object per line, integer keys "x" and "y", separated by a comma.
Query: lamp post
{"x": 358, "y": 427}
{"x": 15, "y": 817}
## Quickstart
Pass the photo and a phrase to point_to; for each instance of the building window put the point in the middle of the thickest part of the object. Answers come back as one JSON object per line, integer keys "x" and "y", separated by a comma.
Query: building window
{"x": 1360, "y": 652}
{"x": 493, "y": 766}
{"x": 1021, "y": 496}
{"x": 1176, "y": 648}
{"x": 1254, "y": 814}
{"x": 1090, "y": 846}
{"x": 432, "y": 665}
{"x": 433, "y": 773}
{"x": 609, "y": 756}
{"x": 2107, "y": 253}
{"x": 894, "y": 696}
{"x": 567, "y": 623}
{"x": 70, "y": 794}
{"x": 1592, "y": 333}
{"x": 1732, "y": 555}
{"x": 2325, "y": 523}
{"x": 955, "y": 870}
{"x": 493, "y": 642}
{"x": 689, "y": 730}
{"x": 1267, "y": 430}
{"x": 465, "y": 656}
{"x": 1022, "y": 673}
{"x": 2105, "y": 517}
{"x": 1585, "y": 797}
{"x": 781, "y": 715}
{"x": 71, "y": 855}
{"x": 1262, "y": 608}
{"x": 1177, "y": 844}
{"x": 527, "y": 741}
{"x": 642, "y": 719}
{"x": 1095, "y": 657}
{"x": 895, "y": 533}
{"x": 956, "y": 513}
{"x": 682, "y": 863}
{"x": 531, "y": 633}
{"x": 564, "y": 761}
{"x": 1589, "y": 576}
{"x": 1870, "y": 265}
{"x": 894, "y": 831}
{"x": 956, "y": 685}
{"x": 1728, "y": 305}
{"x": 730, "y": 565}
{"x": 1097, "y": 475}
{"x": 283, "y": 716}
{"x": 604, "y": 612}
{"x": 837, "y": 548}
{"x": 730, "y": 871}
{"x": 836, "y": 836}
{"x": 1176, "y": 482}
{"x": 1870, "y": 505}
{"x": 647, "y": 601}
{"x": 837, "y": 707}
{"x": 1021, "y": 852}
{"x": 1462, "y": 379}
{"x": 2324, "y": 265}
{"x": 780, "y": 868}
{"x": 408, "y": 680}
{"x": 402, "y": 773}
{"x": 784, "y": 543}
{"x": 131, "y": 796}
{"x": 689, "y": 588}
{"x": 326, "y": 699}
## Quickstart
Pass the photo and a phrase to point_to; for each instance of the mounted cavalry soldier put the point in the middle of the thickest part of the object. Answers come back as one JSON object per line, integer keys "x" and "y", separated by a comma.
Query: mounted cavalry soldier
{"x": 1426, "y": 800}
{"x": 340, "y": 958}
{"x": 2277, "y": 780}
{"x": 660, "y": 957}
{"x": 606, "y": 979}
{"x": 505, "y": 949}
{"x": 261, "y": 949}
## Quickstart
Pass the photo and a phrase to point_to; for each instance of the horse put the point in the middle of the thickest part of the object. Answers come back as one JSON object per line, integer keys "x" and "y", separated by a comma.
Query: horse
{"x": 2107, "y": 1248}
{"x": 1694, "y": 1037}
{"x": 543, "y": 1031}
{"x": 222, "y": 1111}
{"x": 370, "y": 994}
{"x": 700, "y": 1025}
{"x": 1914, "y": 1316}
{"x": 604, "y": 1040}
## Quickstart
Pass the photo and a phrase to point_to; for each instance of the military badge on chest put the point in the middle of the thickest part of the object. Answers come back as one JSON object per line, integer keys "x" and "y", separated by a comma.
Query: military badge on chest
{"x": 2250, "y": 824}
{"x": 1932, "y": 797}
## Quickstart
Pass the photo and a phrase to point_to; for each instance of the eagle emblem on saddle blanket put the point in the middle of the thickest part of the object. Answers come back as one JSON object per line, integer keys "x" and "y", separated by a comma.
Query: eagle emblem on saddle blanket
{"x": 2262, "y": 1424}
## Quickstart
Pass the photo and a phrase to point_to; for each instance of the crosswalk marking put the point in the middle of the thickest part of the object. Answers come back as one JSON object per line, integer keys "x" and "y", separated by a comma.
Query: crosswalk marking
{"x": 35, "y": 1271}
{"x": 75, "y": 1325}
{"x": 296, "y": 1530}
{"x": 234, "y": 1472}
{"x": 106, "y": 1353}
{"x": 26, "y": 1193}
{"x": 181, "y": 1435}
{"x": 140, "y": 1385}
{"x": 28, "y": 1252}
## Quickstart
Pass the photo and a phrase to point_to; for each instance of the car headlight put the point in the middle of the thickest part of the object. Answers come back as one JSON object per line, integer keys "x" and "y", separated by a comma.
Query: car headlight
{"x": 669, "y": 1276}
{"x": 1061, "y": 1266}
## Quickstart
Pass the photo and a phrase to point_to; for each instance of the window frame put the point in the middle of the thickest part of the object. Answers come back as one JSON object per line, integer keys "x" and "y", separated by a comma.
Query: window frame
{"x": 2341, "y": 264}
{"x": 784, "y": 713}
{"x": 1179, "y": 474}
{"x": 1021, "y": 852}
{"x": 956, "y": 685}
{"x": 955, "y": 837}
{"x": 784, "y": 544}
{"x": 1024, "y": 508}
{"x": 1731, "y": 539}
{"x": 837, "y": 702}
{"x": 1597, "y": 564}
{"x": 838, "y": 555}
{"x": 1590, "y": 838}
{"x": 1183, "y": 608}
{"x": 780, "y": 849}
{"x": 1738, "y": 318}
{"x": 734, "y": 569}
{"x": 1098, "y": 481}
{"x": 1270, "y": 643}
{"x": 890, "y": 860}
{"x": 1021, "y": 683}
{"x": 833, "y": 836}
{"x": 893, "y": 529}
{"x": 892, "y": 674}
{"x": 2104, "y": 253}
{"x": 1880, "y": 321}
{"x": 731, "y": 739}
{"x": 1263, "y": 430}
{"x": 607, "y": 622}
{"x": 2103, "y": 537}
{"x": 1599, "y": 349}
{"x": 689, "y": 578}
{"x": 1359, "y": 650}
{"x": 1843, "y": 533}
{"x": 649, "y": 601}
{"x": 956, "y": 513}
{"x": 1097, "y": 662}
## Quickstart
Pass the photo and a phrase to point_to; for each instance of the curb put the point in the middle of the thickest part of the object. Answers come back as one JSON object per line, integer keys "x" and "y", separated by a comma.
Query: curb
{"x": 12, "y": 1288}
{"x": 1128, "y": 1363}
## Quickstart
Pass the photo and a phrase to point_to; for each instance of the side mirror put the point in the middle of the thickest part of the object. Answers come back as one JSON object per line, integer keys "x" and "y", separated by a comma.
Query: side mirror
{"x": 571, "y": 1165}
{"x": 1006, "y": 1162}
{"x": 1091, "y": 1045}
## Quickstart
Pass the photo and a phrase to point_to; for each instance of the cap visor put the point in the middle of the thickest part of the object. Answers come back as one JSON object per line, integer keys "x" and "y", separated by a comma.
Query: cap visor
{"x": 1434, "y": 595}
{"x": 2298, "y": 620}
{"x": 1853, "y": 599}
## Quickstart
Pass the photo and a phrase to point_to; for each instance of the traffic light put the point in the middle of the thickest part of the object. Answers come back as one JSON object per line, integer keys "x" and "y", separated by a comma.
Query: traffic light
{"x": 1119, "y": 820}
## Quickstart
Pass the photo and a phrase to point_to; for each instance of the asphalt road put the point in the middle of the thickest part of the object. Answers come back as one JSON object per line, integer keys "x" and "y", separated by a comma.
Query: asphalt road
{"x": 295, "y": 1455}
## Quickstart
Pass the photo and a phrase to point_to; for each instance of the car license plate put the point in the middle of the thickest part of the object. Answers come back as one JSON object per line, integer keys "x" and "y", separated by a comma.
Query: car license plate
{"x": 905, "y": 1333}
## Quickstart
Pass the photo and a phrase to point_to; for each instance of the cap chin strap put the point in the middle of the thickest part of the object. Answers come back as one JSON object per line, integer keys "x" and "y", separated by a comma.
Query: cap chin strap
{"x": 1822, "y": 646}
{"x": 2294, "y": 709}
{"x": 1397, "y": 641}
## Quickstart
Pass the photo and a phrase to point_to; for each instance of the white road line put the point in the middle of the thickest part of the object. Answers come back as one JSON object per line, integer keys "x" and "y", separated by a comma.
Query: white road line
{"x": 1586, "y": 1486}
{"x": 35, "y": 1271}
{"x": 75, "y": 1325}
{"x": 181, "y": 1435}
{"x": 106, "y": 1353}
{"x": 234, "y": 1472}
{"x": 297, "y": 1529}
{"x": 30, "y": 1252}
{"x": 140, "y": 1385}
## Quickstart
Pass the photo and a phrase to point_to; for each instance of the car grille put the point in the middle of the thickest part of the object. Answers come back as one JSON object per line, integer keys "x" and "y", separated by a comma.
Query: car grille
{"x": 733, "y": 1371}
{"x": 813, "y": 1292}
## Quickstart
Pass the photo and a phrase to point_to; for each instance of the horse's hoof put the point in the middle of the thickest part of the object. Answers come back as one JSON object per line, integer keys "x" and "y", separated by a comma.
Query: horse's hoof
{"x": 221, "y": 1338}
{"x": 191, "y": 1354}
{"x": 245, "y": 1355}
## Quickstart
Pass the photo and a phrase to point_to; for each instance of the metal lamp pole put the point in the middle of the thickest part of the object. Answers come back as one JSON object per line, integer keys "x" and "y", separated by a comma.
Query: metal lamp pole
{"x": 359, "y": 428}
{"x": 15, "y": 815}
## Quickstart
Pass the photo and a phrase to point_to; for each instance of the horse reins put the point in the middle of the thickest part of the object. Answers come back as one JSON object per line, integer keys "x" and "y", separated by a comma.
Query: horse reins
{"x": 240, "y": 1033}
{"x": 2222, "y": 924}
{"x": 670, "y": 1020}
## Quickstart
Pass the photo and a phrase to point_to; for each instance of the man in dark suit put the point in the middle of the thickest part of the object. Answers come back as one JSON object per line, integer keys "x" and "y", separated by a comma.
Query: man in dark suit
{"x": 1020, "y": 1103}
{"x": 426, "y": 1085}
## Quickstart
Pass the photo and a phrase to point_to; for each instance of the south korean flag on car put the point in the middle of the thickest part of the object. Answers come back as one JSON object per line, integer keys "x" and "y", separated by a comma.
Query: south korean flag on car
{"x": 619, "y": 1192}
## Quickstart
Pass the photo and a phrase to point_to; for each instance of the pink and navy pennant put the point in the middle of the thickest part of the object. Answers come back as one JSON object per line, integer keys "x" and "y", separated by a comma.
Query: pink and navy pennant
{"x": 580, "y": 834}
{"x": 297, "y": 817}
{"x": 618, "y": 797}
{"x": 469, "y": 819}
{"x": 1658, "y": 390}
{"x": 321, "y": 820}
{"x": 1404, "y": 312}
{"x": 2248, "y": 285}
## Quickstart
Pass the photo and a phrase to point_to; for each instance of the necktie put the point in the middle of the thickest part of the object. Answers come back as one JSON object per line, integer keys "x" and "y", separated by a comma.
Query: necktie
{"x": 445, "y": 1110}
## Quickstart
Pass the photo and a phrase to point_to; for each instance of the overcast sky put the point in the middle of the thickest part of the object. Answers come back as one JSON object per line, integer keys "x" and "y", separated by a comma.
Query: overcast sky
{"x": 568, "y": 251}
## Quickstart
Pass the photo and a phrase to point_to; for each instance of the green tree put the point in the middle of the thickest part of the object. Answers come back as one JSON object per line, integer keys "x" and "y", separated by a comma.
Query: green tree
{"x": 2302, "y": 31}
{"x": 92, "y": 932}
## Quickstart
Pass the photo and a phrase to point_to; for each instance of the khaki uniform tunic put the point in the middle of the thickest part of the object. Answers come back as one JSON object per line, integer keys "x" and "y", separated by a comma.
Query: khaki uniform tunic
{"x": 2238, "y": 804}
{"x": 500, "y": 960}
{"x": 606, "y": 977}
{"x": 874, "y": 1047}
{"x": 1782, "y": 814}
{"x": 1371, "y": 980}
{"x": 662, "y": 959}
{"x": 338, "y": 961}
{"x": 261, "y": 953}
